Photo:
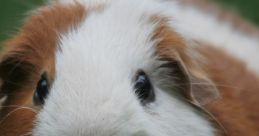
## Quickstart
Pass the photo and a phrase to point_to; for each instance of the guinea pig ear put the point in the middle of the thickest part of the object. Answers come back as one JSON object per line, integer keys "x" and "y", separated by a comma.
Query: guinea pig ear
{"x": 200, "y": 90}
{"x": 171, "y": 47}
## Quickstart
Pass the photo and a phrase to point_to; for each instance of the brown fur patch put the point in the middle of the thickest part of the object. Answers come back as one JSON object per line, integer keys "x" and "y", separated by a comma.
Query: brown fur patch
{"x": 238, "y": 108}
{"x": 27, "y": 56}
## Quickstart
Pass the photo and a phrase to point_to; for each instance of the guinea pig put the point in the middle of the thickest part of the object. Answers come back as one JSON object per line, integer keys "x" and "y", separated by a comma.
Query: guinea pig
{"x": 129, "y": 68}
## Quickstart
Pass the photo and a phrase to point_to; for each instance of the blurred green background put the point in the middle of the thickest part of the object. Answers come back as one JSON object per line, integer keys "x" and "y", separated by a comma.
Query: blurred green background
{"x": 247, "y": 8}
{"x": 12, "y": 12}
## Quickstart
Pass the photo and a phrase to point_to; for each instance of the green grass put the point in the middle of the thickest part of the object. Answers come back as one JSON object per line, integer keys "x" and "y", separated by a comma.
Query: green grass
{"x": 12, "y": 12}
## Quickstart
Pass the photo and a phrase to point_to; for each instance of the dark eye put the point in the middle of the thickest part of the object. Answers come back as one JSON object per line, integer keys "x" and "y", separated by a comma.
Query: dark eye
{"x": 143, "y": 88}
{"x": 41, "y": 91}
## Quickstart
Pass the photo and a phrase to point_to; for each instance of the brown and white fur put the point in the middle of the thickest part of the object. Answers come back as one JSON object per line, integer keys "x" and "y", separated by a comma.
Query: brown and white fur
{"x": 204, "y": 71}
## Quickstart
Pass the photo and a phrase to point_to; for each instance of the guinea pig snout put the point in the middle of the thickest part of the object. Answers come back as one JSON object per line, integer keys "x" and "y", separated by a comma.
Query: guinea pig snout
{"x": 103, "y": 117}
{"x": 102, "y": 123}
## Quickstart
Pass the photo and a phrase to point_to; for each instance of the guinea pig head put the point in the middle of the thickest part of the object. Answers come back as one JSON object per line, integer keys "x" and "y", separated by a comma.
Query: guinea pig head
{"x": 73, "y": 71}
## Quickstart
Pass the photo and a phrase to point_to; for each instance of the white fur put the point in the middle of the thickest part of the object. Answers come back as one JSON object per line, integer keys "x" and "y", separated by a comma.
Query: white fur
{"x": 195, "y": 24}
{"x": 93, "y": 94}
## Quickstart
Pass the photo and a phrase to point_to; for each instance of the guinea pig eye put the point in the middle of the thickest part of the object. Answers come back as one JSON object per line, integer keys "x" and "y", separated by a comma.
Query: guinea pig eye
{"x": 143, "y": 88}
{"x": 41, "y": 91}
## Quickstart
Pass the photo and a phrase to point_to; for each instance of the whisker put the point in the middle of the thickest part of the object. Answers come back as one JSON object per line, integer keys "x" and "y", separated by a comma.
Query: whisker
{"x": 27, "y": 134}
{"x": 12, "y": 94}
{"x": 13, "y": 106}
{"x": 15, "y": 110}
{"x": 8, "y": 81}
{"x": 206, "y": 84}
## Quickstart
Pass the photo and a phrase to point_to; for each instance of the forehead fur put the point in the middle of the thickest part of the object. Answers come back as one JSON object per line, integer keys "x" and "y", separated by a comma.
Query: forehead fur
{"x": 134, "y": 37}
